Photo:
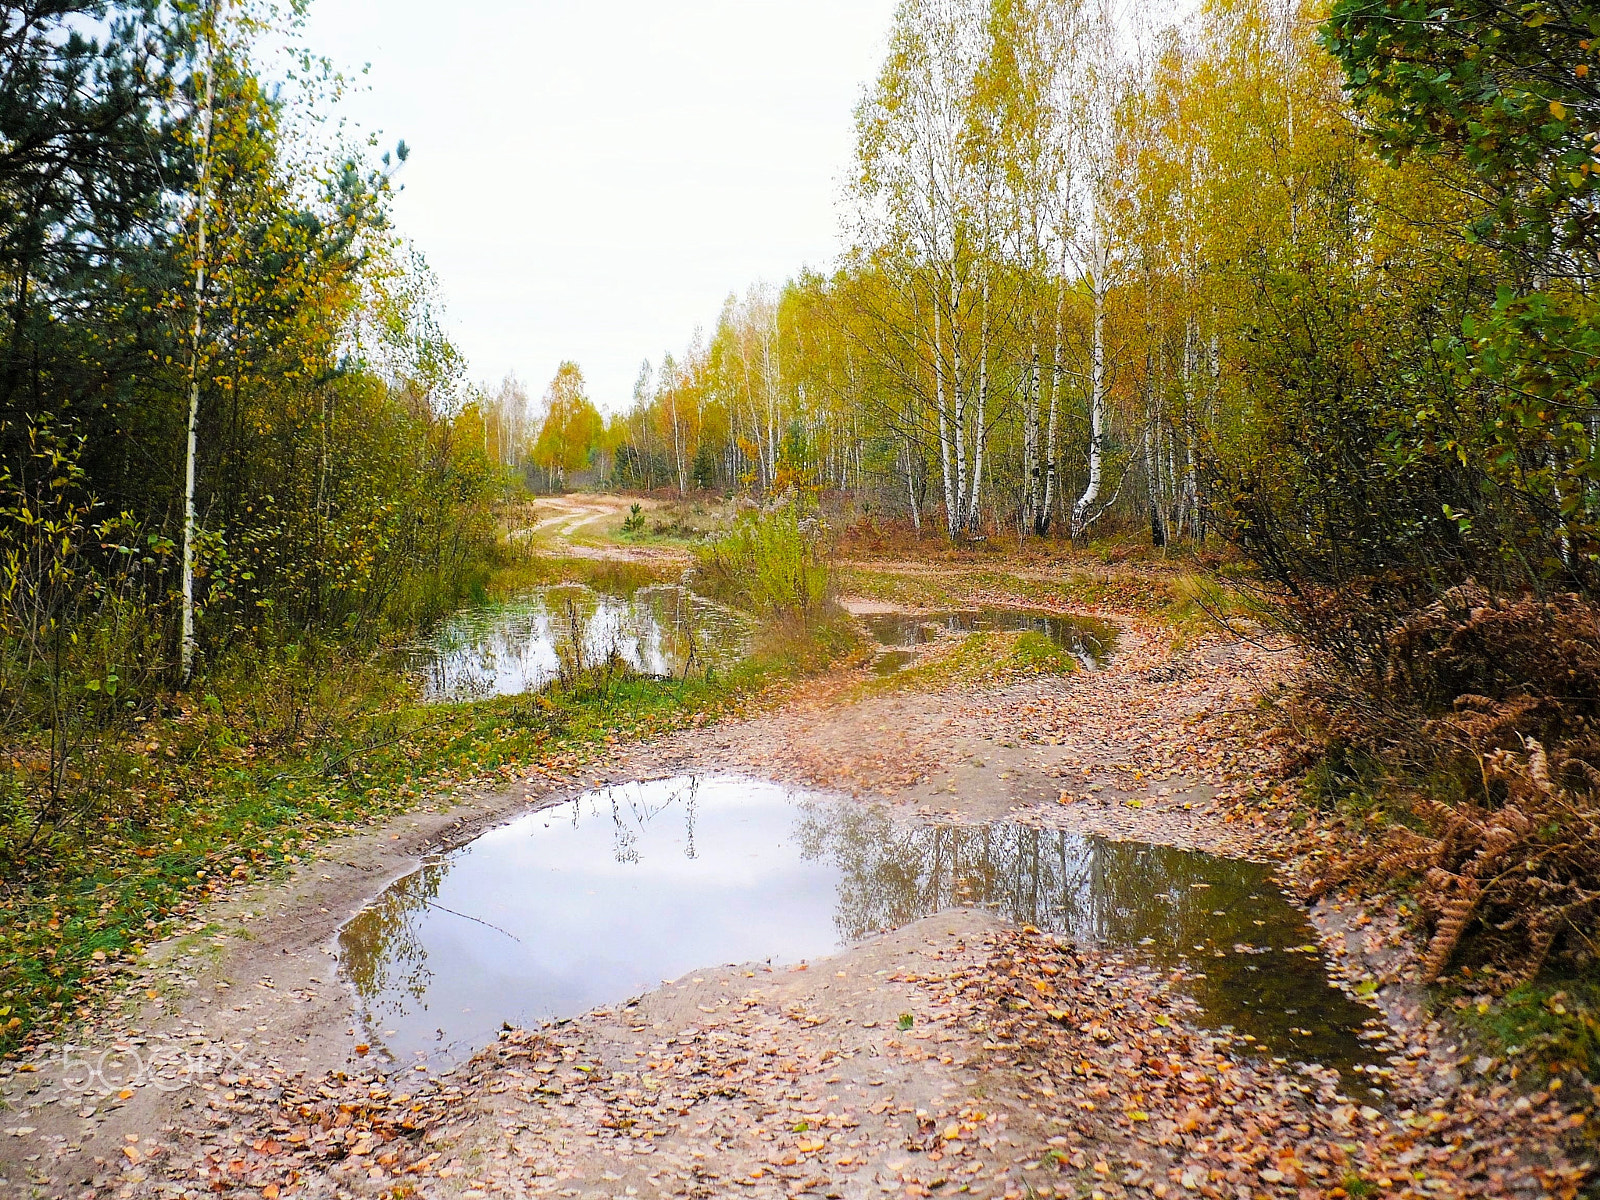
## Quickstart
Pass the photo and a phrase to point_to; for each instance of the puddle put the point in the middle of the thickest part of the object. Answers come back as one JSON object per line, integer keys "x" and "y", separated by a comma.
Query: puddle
{"x": 890, "y": 662}
{"x": 1087, "y": 640}
{"x": 510, "y": 648}
{"x": 605, "y": 897}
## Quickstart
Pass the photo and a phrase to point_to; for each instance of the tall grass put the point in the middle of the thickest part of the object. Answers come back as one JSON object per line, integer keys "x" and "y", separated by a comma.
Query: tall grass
{"x": 772, "y": 563}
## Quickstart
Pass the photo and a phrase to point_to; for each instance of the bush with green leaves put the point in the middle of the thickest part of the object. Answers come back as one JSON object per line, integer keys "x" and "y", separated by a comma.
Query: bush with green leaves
{"x": 771, "y": 562}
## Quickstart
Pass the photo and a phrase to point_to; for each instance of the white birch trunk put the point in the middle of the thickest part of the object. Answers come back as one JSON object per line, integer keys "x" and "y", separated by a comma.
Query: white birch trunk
{"x": 1053, "y": 430}
{"x": 944, "y": 424}
{"x": 980, "y": 430}
{"x": 959, "y": 401}
{"x": 186, "y": 640}
{"x": 1081, "y": 511}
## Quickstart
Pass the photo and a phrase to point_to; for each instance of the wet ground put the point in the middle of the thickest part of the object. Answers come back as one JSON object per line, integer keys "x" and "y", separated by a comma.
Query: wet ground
{"x": 604, "y": 897}
{"x": 520, "y": 645}
{"x": 238, "y": 1065}
{"x": 1088, "y": 640}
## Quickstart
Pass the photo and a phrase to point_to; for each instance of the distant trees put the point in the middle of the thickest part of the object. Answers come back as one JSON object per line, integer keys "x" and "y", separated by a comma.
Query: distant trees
{"x": 1321, "y": 288}
{"x": 989, "y": 349}
{"x": 572, "y": 435}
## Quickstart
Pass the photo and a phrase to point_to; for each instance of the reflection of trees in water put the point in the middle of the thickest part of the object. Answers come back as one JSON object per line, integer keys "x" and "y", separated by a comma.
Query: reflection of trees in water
{"x": 894, "y": 872}
{"x": 517, "y": 646}
{"x": 631, "y": 807}
{"x": 631, "y": 811}
{"x": 1084, "y": 637}
{"x": 1172, "y": 904}
{"x": 381, "y": 951}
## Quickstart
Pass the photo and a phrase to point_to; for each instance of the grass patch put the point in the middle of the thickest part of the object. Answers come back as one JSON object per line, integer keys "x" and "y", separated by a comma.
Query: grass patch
{"x": 770, "y": 562}
{"x": 1203, "y": 603}
{"x": 1545, "y": 1030}
{"x": 978, "y": 658}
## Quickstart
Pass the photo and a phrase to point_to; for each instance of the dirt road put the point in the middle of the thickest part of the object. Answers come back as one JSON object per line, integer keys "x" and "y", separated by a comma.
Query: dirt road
{"x": 952, "y": 1055}
{"x": 586, "y": 526}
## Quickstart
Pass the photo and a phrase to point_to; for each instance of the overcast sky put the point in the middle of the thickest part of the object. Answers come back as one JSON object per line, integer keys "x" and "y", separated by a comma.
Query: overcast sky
{"x": 589, "y": 180}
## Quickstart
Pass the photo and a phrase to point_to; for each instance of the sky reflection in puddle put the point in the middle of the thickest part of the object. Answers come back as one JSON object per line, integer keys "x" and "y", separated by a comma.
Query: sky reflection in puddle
{"x": 510, "y": 648}
{"x": 604, "y": 897}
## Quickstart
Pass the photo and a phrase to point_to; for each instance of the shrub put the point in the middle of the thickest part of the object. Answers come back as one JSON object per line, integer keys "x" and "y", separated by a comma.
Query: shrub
{"x": 771, "y": 562}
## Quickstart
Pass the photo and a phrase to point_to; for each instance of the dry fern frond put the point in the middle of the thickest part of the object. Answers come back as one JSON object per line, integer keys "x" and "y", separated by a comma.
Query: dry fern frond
{"x": 1494, "y": 703}
{"x": 1453, "y": 918}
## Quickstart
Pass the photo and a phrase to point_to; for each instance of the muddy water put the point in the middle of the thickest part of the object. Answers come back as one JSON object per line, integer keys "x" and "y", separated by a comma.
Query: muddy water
{"x": 515, "y": 647}
{"x": 606, "y": 896}
{"x": 1087, "y": 640}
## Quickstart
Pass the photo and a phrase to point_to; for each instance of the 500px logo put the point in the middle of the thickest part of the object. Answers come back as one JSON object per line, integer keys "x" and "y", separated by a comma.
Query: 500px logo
{"x": 121, "y": 1068}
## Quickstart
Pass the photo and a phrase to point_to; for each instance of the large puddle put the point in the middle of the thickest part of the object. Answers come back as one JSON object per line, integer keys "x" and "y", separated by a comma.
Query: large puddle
{"x": 519, "y": 646}
{"x": 605, "y": 897}
{"x": 1087, "y": 640}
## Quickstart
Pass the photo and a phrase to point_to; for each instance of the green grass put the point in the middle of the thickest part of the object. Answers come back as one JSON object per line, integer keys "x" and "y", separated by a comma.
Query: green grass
{"x": 978, "y": 658}
{"x": 769, "y": 562}
{"x": 1547, "y": 1029}
{"x": 1202, "y": 603}
{"x": 236, "y": 789}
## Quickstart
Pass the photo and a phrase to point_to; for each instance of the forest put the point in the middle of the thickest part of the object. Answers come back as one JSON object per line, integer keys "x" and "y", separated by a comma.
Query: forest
{"x": 1266, "y": 329}
{"x": 1245, "y": 278}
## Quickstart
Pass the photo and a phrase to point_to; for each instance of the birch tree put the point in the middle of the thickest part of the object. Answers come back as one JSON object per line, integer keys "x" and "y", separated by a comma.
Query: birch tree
{"x": 213, "y": 18}
{"x": 1095, "y": 88}
{"x": 923, "y": 218}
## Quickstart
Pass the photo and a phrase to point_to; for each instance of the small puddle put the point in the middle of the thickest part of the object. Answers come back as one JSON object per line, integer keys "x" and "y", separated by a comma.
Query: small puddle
{"x": 1087, "y": 640}
{"x": 515, "y": 647}
{"x": 607, "y": 896}
{"x": 890, "y": 662}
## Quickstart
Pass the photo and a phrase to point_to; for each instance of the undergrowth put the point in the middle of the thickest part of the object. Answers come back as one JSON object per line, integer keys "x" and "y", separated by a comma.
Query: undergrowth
{"x": 770, "y": 562}
{"x": 1545, "y": 1029}
{"x": 1462, "y": 770}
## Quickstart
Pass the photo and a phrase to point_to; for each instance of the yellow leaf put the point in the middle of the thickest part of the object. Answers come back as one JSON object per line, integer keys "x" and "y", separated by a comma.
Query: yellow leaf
{"x": 1558, "y": 110}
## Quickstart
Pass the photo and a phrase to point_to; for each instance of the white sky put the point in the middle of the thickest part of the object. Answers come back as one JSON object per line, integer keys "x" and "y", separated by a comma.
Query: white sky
{"x": 590, "y": 180}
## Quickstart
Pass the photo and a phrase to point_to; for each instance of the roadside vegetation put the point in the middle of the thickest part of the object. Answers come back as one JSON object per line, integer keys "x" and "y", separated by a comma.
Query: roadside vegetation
{"x": 248, "y": 773}
{"x": 769, "y": 562}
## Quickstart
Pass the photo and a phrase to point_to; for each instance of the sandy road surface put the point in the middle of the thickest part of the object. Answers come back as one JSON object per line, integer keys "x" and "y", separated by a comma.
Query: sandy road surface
{"x": 583, "y": 526}
{"x": 234, "y": 1067}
